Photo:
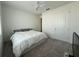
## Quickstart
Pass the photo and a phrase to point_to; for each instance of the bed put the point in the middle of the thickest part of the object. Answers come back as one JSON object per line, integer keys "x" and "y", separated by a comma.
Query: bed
{"x": 24, "y": 40}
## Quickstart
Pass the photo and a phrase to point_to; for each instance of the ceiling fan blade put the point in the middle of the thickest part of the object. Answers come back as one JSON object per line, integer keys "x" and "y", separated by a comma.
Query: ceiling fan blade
{"x": 37, "y": 8}
{"x": 42, "y": 5}
{"x": 39, "y": 5}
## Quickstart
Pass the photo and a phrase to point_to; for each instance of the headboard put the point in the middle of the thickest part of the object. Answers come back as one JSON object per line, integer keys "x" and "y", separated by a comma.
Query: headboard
{"x": 21, "y": 30}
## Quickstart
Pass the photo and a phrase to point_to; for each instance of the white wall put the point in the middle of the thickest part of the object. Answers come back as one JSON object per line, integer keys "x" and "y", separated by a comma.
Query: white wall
{"x": 61, "y": 22}
{"x": 17, "y": 19}
{"x": 0, "y": 33}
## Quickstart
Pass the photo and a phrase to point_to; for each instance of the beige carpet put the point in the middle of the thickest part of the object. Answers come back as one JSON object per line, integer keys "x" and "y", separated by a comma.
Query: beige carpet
{"x": 50, "y": 48}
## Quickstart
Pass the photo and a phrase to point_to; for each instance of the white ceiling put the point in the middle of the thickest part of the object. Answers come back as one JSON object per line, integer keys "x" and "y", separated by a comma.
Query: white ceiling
{"x": 30, "y": 5}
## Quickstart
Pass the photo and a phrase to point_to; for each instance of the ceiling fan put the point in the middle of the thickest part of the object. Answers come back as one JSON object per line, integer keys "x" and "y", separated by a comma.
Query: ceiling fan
{"x": 39, "y": 5}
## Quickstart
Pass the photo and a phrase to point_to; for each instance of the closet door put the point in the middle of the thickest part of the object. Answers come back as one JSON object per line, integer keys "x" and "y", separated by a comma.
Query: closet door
{"x": 60, "y": 23}
{"x": 56, "y": 23}
{"x": 75, "y": 18}
{"x": 67, "y": 26}
{"x": 62, "y": 31}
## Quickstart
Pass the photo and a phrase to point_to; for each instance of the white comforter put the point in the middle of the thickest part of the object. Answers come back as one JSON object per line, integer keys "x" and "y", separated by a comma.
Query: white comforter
{"x": 23, "y": 40}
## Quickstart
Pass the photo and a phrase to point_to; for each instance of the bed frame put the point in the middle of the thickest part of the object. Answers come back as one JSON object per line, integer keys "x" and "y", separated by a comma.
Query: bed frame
{"x": 75, "y": 45}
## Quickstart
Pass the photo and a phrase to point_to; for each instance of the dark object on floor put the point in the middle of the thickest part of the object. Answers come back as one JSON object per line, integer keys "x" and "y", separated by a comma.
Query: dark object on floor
{"x": 71, "y": 56}
{"x": 50, "y": 48}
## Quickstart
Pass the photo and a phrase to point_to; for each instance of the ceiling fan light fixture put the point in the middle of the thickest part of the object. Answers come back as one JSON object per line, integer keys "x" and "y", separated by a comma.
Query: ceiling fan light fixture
{"x": 39, "y": 5}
